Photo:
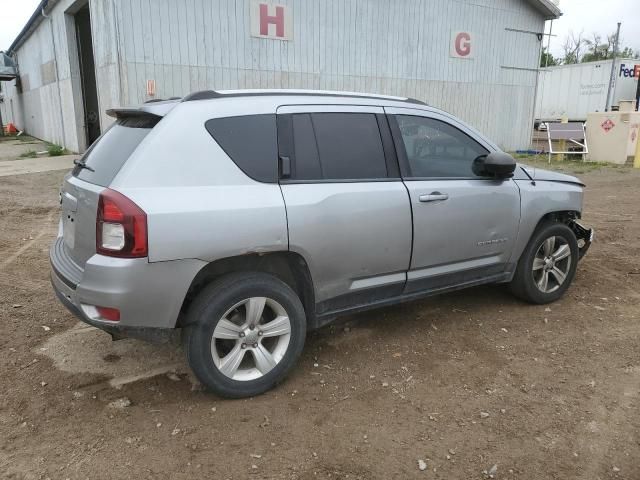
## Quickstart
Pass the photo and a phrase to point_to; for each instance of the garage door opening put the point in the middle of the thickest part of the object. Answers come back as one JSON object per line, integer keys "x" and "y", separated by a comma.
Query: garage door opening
{"x": 87, "y": 75}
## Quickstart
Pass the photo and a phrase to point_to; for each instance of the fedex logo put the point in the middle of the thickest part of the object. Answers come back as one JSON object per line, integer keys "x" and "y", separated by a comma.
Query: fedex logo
{"x": 631, "y": 71}
{"x": 271, "y": 21}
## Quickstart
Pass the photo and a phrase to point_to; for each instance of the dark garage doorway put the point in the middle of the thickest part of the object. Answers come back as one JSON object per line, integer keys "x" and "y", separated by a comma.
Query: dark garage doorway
{"x": 87, "y": 75}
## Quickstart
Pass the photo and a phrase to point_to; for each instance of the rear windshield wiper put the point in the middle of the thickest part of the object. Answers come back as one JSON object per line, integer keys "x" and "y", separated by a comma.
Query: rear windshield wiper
{"x": 79, "y": 163}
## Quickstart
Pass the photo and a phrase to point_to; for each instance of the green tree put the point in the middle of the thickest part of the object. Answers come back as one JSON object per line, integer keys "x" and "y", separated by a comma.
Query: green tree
{"x": 572, "y": 48}
{"x": 599, "y": 49}
{"x": 628, "y": 52}
{"x": 547, "y": 59}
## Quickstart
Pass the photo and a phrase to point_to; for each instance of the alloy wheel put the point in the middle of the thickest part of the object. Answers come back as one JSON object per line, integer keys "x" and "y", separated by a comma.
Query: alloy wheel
{"x": 251, "y": 338}
{"x": 551, "y": 264}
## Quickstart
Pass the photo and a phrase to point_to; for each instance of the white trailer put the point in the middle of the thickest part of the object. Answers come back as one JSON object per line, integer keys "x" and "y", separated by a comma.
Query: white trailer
{"x": 575, "y": 90}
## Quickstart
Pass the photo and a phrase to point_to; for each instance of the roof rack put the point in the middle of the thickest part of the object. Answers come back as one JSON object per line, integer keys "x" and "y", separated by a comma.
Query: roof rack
{"x": 213, "y": 94}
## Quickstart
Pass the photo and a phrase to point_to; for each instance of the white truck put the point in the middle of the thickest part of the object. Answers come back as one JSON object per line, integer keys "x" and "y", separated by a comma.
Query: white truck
{"x": 575, "y": 90}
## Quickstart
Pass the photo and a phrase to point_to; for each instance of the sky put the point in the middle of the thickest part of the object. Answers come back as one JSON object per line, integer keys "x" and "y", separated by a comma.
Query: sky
{"x": 589, "y": 16}
{"x": 13, "y": 16}
{"x": 600, "y": 16}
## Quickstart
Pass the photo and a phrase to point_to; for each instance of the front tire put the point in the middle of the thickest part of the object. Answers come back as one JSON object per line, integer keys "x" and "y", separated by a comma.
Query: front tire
{"x": 547, "y": 265}
{"x": 246, "y": 331}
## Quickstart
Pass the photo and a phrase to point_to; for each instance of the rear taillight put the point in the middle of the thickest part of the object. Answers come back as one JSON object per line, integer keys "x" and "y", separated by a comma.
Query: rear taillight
{"x": 121, "y": 227}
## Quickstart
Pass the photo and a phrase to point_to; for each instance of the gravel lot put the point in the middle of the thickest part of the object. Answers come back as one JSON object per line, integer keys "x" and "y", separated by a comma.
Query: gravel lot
{"x": 469, "y": 383}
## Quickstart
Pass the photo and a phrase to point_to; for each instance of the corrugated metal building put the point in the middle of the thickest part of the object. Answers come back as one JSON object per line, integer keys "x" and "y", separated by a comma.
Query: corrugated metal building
{"x": 477, "y": 59}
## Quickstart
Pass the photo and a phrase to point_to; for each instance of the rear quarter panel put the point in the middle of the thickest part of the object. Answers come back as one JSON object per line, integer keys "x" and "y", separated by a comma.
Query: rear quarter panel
{"x": 540, "y": 199}
{"x": 199, "y": 204}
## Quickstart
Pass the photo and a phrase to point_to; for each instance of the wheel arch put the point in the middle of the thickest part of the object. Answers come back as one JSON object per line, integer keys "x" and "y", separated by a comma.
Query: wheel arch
{"x": 524, "y": 285}
{"x": 289, "y": 267}
{"x": 554, "y": 216}
{"x": 557, "y": 216}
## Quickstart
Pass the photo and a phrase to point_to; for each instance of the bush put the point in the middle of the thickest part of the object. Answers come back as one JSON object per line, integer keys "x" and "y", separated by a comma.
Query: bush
{"x": 55, "y": 150}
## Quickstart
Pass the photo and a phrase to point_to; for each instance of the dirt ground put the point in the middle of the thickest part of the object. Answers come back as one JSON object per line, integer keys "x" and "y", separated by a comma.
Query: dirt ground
{"x": 463, "y": 381}
{"x": 15, "y": 148}
{"x": 26, "y": 154}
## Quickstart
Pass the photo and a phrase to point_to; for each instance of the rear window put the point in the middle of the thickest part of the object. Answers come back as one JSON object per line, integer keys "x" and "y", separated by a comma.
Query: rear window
{"x": 251, "y": 142}
{"x": 109, "y": 153}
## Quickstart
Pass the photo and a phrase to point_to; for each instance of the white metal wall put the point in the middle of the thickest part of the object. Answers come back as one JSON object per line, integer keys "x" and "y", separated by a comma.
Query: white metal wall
{"x": 45, "y": 104}
{"x": 52, "y": 110}
{"x": 400, "y": 48}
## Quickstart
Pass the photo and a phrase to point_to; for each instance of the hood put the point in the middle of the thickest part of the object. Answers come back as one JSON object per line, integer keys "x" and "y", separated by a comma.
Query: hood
{"x": 540, "y": 174}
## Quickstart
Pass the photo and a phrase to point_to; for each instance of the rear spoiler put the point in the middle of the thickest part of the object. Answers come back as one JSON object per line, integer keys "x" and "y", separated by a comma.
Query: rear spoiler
{"x": 157, "y": 110}
{"x": 134, "y": 118}
{"x": 121, "y": 113}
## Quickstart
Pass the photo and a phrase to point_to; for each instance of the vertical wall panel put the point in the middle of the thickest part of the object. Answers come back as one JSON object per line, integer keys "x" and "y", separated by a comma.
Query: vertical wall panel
{"x": 400, "y": 47}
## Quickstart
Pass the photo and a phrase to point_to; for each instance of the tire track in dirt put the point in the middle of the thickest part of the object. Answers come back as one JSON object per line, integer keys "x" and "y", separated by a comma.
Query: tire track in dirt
{"x": 9, "y": 280}
{"x": 43, "y": 231}
{"x": 614, "y": 278}
{"x": 602, "y": 437}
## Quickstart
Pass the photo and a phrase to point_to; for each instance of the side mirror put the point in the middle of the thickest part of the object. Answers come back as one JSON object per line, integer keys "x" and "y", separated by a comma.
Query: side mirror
{"x": 496, "y": 164}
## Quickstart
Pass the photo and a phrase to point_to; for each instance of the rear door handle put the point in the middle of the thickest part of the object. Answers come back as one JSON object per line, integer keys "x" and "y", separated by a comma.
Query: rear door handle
{"x": 433, "y": 197}
{"x": 285, "y": 167}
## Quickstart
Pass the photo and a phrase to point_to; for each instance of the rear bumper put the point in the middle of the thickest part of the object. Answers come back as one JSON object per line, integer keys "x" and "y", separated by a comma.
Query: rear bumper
{"x": 117, "y": 332}
{"x": 148, "y": 295}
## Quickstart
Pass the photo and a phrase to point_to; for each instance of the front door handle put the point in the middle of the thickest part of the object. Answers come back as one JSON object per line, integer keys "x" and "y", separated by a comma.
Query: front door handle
{"x": 434, "y": 197}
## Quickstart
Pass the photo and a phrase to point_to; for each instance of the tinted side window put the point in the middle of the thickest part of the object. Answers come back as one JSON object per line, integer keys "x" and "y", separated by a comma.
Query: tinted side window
{"x": 437, "y": 149}
{"x": 307, "y": 161}
{"x": 251, "y": 142}
{"x": 346, "y": 146}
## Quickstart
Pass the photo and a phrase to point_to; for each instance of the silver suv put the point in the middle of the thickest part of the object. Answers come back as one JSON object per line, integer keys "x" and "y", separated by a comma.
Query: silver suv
{"x": 247, "y": 218}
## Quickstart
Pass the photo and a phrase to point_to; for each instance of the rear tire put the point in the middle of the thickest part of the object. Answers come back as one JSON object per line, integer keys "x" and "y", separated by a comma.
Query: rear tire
{"x": 547, "y": 265}
{"x": 246, "y": 331}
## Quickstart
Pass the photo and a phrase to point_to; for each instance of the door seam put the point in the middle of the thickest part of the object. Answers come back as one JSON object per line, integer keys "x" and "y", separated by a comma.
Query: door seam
{"x": 395, "y": 147}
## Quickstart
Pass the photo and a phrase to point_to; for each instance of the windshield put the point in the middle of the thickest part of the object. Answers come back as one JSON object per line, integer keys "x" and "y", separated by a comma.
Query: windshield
{"x": 108, "y": 154}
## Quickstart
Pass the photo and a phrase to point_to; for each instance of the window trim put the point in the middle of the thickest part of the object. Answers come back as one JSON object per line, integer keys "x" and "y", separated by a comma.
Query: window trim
{"x": 284, "y": 125}
{"x": 293, "y": 181}
{"x": 388, "y": 147}
{"x": 430, "y": 179}
{"x": 403, "y": 158}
